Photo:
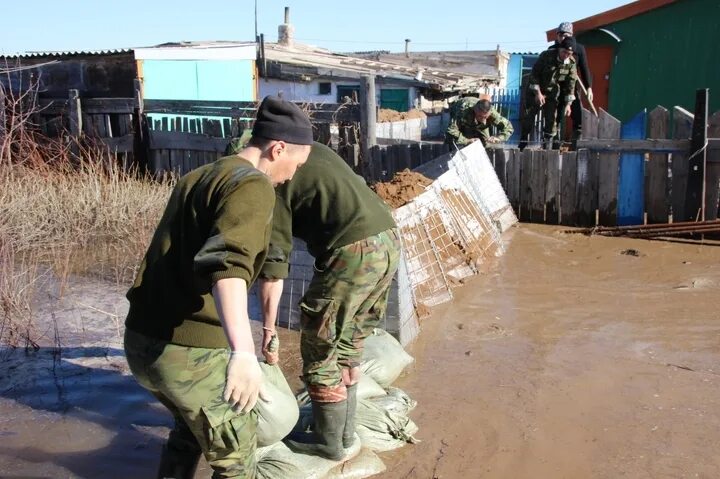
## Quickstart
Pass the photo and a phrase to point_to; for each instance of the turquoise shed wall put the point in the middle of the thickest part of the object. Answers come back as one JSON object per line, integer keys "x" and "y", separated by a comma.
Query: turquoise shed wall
{"x": 665, "y": 55}
{"x": 221, "y": 80}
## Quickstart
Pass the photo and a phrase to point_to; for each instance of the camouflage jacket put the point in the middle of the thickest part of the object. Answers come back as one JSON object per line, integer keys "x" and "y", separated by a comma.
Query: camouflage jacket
{"x": 464, "y": 126}
{"x": 553, "y": 77}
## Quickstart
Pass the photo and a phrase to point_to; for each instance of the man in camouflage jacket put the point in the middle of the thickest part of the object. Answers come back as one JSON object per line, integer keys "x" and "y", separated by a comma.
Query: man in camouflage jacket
{"x": 552, "y": 82}
{"x": 471, "y": 119}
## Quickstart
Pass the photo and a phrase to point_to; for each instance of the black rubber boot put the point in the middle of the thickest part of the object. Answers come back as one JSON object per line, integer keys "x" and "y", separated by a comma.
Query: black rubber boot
{"x": 326, "y": 440}
{"x": 177, "y": 464}
{"x": 348, "y": 437}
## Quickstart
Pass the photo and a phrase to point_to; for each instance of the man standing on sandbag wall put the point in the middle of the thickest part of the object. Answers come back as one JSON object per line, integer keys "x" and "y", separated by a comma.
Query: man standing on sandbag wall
{"x": 188, "y": 339}
{"x": 353, "y": 237}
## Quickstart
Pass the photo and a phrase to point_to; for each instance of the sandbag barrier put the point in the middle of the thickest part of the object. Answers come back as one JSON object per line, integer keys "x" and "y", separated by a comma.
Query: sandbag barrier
{"x": 382, "y": 422}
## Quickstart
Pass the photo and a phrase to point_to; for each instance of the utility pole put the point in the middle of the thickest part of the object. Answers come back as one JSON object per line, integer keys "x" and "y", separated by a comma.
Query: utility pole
{"x": 256, "y": 34}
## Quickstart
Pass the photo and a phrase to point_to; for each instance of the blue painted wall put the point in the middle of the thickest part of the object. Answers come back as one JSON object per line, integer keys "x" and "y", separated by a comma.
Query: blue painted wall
{"x": 514, "y": 71}
{"x": 222, "y": 80}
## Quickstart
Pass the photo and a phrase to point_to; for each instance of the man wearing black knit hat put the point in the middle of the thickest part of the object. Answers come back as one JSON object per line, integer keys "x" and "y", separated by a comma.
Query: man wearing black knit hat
{"x": 565, "y": 30}
{"x": 188, "y": 338}
{"x": 551, "y": 88}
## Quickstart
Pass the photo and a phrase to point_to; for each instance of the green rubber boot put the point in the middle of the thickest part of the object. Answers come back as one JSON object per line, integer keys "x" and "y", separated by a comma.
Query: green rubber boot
{"x": 348, "y": 437}
{"x": 177, "y": 464}
{"x": 327, "y": 438}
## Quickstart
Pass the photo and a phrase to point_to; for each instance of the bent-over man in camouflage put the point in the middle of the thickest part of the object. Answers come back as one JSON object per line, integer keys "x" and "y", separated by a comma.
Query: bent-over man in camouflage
{"x": 353, "y": 237}
{"x": 471, "y": 119}
{"x": 187, "y": 337}
{"x": 552, "y": 82}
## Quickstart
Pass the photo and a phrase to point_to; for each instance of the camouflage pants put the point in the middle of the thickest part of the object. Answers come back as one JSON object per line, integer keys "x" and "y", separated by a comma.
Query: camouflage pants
{"x": 346, "y": 299}
{"x": 190, "y": 382}
{"x": 549, "y": 112}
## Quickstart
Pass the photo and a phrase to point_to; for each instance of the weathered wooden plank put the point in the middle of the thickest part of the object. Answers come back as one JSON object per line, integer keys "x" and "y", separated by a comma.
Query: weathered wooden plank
{"x": 586, "y": 195}
{"x": 104, "y": 106}
{"x": 185, "y": 141}
{"x": 552, "y": 187}
{"x": 590, "y": 125}
{"x": 712, "y": 175}
{"x": 694, "y": 199}
{"x": 512, "y": 170}
{"x": 193, "y": 126}
{"x": 119, "y": 144}
{"x": 637, "y": 146}
{"x": 525, "y": 185}
{"x": 415, "y": 155}
{"x": 608, "y": 171}
{"x": 568, "y": 186}
{"x": 164, "y": 124}
{"x": 657, "y": 199}
{"x": 682, "y": 129}
{"x": 500, "y": 157}
{"x": 403, "y": 155}
{"x": 631, "y": 179}
{"x": 537, "y": 186}
{"x": 427, "y": 153}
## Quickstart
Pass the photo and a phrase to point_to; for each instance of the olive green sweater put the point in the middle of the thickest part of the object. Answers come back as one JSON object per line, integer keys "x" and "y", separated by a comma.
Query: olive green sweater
{"x": 216, "y": 225}
{"x": 326, "y": 205}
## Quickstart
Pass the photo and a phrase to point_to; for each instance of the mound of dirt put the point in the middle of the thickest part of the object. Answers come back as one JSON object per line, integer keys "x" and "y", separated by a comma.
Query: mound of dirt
{"x": 385, "y": 115}
{"x": 402, "y": 189}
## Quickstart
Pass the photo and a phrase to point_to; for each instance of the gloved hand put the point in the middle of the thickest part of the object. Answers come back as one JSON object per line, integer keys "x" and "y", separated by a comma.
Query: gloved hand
{"x": 271, "y": 346}
{"x": 590, "y": 95}
{"x": 243, "y": 382}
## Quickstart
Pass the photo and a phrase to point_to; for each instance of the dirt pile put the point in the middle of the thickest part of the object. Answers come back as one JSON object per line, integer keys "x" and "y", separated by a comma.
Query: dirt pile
{"x": 402, "y": 189}
{"x": 385, "y": 115}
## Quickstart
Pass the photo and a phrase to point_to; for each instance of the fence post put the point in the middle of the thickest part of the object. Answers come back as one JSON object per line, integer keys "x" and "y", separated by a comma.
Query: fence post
{"x": 140, "y": 129}
{"x": 75, "y": 117}
{"x": 695, "y": 195}
{"x": 368, "y": 116}
{"x": 2, "y": 111}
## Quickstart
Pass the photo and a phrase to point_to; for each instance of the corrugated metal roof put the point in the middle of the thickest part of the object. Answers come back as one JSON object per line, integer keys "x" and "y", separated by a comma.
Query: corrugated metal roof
{"x": 68, "y": 53}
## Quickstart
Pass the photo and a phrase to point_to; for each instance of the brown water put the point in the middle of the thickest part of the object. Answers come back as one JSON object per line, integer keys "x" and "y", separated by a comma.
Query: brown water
{"x": 567, "y": 360}
{"x": 572, "y": 360}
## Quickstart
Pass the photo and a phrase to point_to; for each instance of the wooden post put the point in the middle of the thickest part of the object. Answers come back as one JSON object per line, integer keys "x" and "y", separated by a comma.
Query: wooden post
{"x": 682, "y": 129}
{"x": 695, "y": 195}
{"x": 368, "y": 116}
{"x": 2, "y": 111}
{"x": 76, "y": 123}
{"x": 712, "y": 172}
{"x": 657, "y": 201}
{"x": 608, "y": 170}
{"x": 140, "y": 129}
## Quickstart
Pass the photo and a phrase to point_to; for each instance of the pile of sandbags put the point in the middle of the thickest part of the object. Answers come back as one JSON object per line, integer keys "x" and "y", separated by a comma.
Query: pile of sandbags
{"x": 382, "y": 421}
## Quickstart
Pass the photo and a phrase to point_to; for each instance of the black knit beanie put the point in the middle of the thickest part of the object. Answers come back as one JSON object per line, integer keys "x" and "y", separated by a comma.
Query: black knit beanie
{"x": 569, "y": 43}
{"x": 282, "y": 120}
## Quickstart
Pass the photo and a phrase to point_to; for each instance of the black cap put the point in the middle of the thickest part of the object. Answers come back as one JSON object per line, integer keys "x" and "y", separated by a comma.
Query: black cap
{"x": 568, "y": 43}
{"x": 282, "y": 120}
{"x": 483, "y": 106}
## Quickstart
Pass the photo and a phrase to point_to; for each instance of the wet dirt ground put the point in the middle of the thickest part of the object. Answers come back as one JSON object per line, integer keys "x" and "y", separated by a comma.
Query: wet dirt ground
{"x": 566, "y": 359}
{"x": 571, "y": 359}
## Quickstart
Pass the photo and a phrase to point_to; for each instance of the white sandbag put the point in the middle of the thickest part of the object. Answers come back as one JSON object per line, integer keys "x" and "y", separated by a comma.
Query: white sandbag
{"x": 278, "y": 417}
{"x": 381, "y": 427}
{"x": 367, "y": 388}
{"x": 384, "y": 358}
{"x": 396, "y": 401}
{"x": 365, "y": 464}
{"x": 279, "y": 462}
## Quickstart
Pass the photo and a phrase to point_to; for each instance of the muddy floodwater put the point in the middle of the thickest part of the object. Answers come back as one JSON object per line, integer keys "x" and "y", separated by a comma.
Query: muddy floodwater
{"x": 570, "y": 357}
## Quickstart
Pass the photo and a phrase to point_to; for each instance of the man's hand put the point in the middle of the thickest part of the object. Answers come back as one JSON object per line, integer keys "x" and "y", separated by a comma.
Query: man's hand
{"x": 472, "y": 140}
{"x": 271, "y": 346}
{"x": 568, "y": 110}
{"x": 493, "y": 139}
{"x": 590, "y": 95}
{"x": 243, "y": 383}
{"x": 540, "y": 98}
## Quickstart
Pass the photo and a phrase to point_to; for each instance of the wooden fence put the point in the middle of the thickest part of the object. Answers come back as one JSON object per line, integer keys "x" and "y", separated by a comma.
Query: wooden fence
{"x": 639, "y": 172}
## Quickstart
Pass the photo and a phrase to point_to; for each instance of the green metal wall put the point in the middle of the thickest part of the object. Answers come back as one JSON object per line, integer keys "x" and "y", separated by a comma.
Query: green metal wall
{"x": 664, "y": 57}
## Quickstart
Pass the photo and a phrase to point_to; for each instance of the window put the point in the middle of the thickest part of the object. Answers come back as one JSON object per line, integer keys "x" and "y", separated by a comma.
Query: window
{"x": 324, "y": 88}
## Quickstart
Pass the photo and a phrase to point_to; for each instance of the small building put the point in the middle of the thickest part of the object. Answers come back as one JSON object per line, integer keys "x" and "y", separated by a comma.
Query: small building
{"x": 652, "y": 52}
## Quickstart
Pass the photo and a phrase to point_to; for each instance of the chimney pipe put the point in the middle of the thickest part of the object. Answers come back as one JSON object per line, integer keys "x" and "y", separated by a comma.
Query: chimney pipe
{"x": 286, "y": 31}
{"x": 407, "y": 47}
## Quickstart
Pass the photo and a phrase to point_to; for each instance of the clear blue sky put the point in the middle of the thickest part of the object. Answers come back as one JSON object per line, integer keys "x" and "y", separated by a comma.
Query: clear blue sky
{"x": 517, "y": 25}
